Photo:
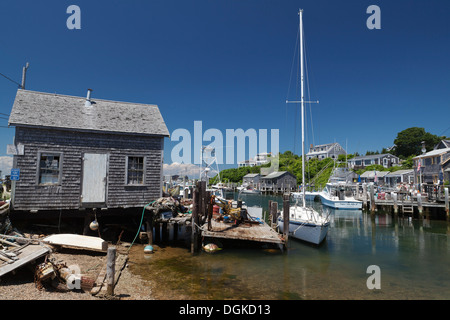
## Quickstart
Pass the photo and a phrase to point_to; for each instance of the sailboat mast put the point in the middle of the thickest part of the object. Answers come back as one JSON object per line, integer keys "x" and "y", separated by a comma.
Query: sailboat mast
{"x": 300, "y": 12}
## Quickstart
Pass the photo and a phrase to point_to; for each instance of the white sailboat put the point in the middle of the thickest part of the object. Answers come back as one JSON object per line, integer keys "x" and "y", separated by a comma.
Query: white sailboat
{"x": 305, "y": 223}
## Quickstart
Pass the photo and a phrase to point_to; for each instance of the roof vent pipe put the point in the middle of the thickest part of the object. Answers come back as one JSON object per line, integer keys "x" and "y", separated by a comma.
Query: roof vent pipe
{"x": 88, "y": 98}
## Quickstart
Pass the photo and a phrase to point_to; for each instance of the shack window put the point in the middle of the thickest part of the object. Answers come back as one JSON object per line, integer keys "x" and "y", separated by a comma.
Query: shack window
{"x": 49, "y": 168}
{"x": 135, "y": 170}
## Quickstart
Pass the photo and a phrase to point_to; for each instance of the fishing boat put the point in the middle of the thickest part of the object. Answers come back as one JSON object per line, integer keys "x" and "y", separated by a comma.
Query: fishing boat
{"x": 249, "y": 190}
{"x": 340, "y": 190}
{"x": 305, "y": 223}
{"x": 339, "y": 196}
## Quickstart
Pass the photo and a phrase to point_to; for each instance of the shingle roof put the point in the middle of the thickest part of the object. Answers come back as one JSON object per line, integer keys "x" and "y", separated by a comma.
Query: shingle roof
{"x": 371, "y": 174}
{"x": 276, "y": 174}
{"x": 40, "y": 109}
{"x": 251, "y": 175}
{"x": 433, "y": 153}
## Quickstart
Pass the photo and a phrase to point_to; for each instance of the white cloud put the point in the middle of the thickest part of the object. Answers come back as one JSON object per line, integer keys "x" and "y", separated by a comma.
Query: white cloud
{"x": 175, "y": 168}
{"x": 5, "y": 165}
{"x": 189, "y": 169}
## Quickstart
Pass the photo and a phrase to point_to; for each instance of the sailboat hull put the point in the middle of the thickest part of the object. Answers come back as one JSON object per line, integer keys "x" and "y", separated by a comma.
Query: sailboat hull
{"x": 309, "y": 232}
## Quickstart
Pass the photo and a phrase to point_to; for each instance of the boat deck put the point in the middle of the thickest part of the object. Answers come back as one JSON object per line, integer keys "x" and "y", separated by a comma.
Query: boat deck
{"x": 261, "y": 232}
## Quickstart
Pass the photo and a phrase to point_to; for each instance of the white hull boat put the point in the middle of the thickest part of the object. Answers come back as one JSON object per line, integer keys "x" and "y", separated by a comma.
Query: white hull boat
{"x": 305, "y": 224}
{"x": 309, "y": 195}
{"x": 335, "y": 198}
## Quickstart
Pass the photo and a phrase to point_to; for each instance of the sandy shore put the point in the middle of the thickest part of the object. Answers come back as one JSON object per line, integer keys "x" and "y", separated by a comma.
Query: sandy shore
{"x": 20, "y": 285}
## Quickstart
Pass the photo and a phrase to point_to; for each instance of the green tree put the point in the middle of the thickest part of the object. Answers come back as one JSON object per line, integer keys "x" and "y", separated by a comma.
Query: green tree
{"x": 409, "y": 141}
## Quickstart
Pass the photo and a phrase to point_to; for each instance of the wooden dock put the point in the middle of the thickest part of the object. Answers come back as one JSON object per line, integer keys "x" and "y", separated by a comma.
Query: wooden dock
{"x": 240, "y": 225}
{"x": 260, "y": 232}
{"x": 405, "y": 203}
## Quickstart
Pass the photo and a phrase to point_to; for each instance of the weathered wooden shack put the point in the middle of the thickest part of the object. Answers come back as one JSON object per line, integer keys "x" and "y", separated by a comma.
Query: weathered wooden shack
{"x": 279, "y": 182}
{"x": 76, "y": 152}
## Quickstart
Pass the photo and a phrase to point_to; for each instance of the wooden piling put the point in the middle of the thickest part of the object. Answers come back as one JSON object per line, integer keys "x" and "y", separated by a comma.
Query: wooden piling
{"x": 110, "y": 270}
{"x": 394, "y": 197}
{"x": 269, "y": 211}
{"x": 149, "y": 226}
{"x": 273, "y": 213}
{"x": 446, "y": 203}
{"x": 285, "y": 218}
{"x": 195, "y": 210}
{"x": 364, "y": 198}
{"x": 419, "y": 204}
{"x": 210, "y": 210}
{"x": 372, "y": 198}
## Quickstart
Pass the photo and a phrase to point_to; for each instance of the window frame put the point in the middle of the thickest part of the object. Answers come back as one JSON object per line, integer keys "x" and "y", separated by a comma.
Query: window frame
{"x": 144, "y": 170}
{"x": 38, "y": 167}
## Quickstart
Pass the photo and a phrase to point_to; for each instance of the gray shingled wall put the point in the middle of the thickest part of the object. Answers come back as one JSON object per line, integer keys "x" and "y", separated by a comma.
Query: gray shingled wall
{"x": 30, "y": 196}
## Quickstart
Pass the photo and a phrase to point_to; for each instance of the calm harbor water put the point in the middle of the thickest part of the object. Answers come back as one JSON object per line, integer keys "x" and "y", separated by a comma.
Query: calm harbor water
{"x": 413, "y": 257}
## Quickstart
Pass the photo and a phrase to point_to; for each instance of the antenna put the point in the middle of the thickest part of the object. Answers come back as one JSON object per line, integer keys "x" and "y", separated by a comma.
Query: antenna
{"x": 24, "y": 75}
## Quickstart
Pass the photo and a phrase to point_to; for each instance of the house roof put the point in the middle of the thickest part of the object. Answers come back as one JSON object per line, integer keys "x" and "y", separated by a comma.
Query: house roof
{"x": 433, "y": 153}
{"x": 371, "y": 174}
{"x": 251, "y": 175}
{"x": 40, "y": 109}
{"x": 400, "y": 173}
{"x": 276, "y": 174}
{"x": 445, "y": 143}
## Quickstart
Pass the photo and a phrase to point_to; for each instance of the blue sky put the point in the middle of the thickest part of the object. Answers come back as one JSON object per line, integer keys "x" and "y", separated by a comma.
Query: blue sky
{"x": 228, "y": 63}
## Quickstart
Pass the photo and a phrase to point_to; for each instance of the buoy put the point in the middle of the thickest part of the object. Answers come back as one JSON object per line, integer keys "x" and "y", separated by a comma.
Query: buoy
{"x": 94, "y": 225}
{"x": 148, "y": 249}
{"x": 211, "y": 247}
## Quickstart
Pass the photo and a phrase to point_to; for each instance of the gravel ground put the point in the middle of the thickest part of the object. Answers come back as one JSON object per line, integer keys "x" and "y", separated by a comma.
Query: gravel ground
{"x": 20, "y": 285}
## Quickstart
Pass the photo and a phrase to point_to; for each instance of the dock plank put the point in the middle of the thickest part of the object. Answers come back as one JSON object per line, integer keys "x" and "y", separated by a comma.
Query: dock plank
{"x": 27, "y": 254}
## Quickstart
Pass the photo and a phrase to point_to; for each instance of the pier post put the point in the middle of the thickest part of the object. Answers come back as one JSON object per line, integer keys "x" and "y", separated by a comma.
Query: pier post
{"x": 273, "y": 213}
{"x": 110, "y": 271}
{"x": 446, "y": 203}
{"x": 149, "y": 226}
{"x": 419, "y": 204}
{"x": 364, "y": 195}
{"x": 286, "y": 218}
{"x": 372, "y": 198}
{"x": 270, "y": 208}
{"x": 210, "y": 210}
{"x": 195, "y": 209}
{"x": 394, "y": 197}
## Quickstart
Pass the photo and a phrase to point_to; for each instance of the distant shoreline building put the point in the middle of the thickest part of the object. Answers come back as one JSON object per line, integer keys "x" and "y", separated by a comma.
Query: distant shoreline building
{"x": 258, "y": 160}
{"x": 387, "y": 160}
{"x": 323, "y": 151}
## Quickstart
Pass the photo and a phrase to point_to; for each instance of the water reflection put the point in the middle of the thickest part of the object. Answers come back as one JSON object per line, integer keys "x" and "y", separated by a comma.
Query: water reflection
{"x": 413, "y": 256}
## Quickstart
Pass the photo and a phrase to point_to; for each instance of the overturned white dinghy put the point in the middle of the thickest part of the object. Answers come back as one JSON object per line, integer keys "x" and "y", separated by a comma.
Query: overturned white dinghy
{"x": 77, "y": 241}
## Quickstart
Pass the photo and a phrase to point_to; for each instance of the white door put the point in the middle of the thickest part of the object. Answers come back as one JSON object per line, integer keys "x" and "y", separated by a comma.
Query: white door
{"x": 94, "y": 178}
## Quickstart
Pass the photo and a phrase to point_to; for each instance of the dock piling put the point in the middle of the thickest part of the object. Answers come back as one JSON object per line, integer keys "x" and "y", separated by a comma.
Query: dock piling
{"x": 446, "y": 203}
{"x": 286, "y": 218}
{"x": 194, "y": 223}
{"x": 419, "y": 204}
{"x": 110, "y": 271}
{"x": 394, "y": 198}
{"x": 273, "y": 213}
{"x": 372, "y": 198}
